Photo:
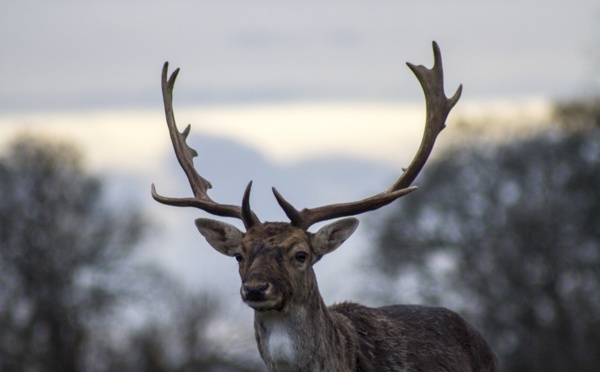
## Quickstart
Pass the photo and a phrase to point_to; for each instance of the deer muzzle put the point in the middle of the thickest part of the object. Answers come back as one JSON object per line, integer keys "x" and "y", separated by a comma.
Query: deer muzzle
{"x": 260, "y": 295}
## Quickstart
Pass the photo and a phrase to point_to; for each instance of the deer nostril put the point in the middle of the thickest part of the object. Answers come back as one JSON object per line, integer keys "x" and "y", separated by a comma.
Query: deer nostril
{"x": 255, "y": 290}
{"x": 256, "y": 287}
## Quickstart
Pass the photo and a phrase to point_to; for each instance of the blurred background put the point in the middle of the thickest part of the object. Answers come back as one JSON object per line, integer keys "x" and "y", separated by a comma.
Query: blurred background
{"x": 315, "y": 99}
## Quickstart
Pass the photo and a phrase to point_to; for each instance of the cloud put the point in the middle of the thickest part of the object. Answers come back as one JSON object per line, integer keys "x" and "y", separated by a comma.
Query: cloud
{"x": 69, "y": 55}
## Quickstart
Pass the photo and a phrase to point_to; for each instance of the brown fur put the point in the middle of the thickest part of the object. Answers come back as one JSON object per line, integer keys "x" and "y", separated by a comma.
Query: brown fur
{"x": 297, "y": 332}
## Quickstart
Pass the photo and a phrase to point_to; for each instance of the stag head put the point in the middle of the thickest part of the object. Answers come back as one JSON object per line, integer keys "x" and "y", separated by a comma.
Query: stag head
{"x": 276, "y": 258}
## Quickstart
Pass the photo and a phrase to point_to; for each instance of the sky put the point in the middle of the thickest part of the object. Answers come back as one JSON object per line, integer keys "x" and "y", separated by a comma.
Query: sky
{"x": 293, "y": 79}
{"x": 76, "y": 55}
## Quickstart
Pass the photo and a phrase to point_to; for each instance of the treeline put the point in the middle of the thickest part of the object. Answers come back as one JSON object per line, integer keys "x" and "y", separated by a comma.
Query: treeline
{"x": 69, "y": 288}
{"x": 509, "y": 234}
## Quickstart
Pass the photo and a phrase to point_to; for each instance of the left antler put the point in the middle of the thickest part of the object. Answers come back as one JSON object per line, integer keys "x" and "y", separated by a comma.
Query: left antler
{"x": 185, "y": 156}
{"x": 438, "y": 107}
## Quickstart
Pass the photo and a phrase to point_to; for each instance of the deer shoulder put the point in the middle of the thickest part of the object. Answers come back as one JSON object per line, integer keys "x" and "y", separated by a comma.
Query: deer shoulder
{"x": 415, "y": 338}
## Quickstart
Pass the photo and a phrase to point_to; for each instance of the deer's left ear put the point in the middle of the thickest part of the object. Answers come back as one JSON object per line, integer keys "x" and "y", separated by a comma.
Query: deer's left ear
{"x": 222, "y": 236}
{"x": 331, "y": 236}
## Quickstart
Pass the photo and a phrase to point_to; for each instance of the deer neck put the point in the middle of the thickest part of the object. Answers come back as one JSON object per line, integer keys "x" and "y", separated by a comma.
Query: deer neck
{"x": 303, "y": 337}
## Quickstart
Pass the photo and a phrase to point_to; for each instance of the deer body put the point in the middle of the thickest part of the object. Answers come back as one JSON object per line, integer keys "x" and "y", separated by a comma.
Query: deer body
{"x": 294, "y": 329}
{"x": 350, "y": 337}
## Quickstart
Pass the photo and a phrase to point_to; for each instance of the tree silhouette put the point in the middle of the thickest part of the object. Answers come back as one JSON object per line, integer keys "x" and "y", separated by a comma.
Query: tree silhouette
{"x": 578, "y": 114}
{"x": 175, "y": 337}
{"x": 510, "y": 234}
{"x": 60, "y": 248}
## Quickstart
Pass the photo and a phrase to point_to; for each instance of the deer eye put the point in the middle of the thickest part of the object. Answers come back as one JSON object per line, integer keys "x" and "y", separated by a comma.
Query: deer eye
{"x": 238, "y": 257}
{"x": 301, "y": 256}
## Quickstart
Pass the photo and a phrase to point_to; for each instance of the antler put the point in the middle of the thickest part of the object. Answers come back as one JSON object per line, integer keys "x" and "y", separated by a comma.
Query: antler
{"x": 438, "y": 107}
{"x": 185, "y": 156}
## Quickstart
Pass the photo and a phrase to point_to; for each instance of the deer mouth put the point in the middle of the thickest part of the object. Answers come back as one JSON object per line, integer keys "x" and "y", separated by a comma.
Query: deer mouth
{"x": 265, "y": 305}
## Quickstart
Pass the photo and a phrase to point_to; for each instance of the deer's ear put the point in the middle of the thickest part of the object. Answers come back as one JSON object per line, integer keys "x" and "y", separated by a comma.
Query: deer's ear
{"x": 331, "y": 236}
{"x": 223, "y": 237}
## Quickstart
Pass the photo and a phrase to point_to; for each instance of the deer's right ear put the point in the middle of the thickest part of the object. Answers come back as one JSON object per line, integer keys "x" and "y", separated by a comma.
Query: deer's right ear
{"x": 223, "y": 237}
{"x": 331, "y": 236}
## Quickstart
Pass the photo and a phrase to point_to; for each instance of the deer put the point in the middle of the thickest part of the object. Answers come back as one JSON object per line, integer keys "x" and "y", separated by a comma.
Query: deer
{"x": 294, "y": 329}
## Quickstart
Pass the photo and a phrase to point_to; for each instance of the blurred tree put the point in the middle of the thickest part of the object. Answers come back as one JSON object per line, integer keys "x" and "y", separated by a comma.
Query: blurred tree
{"x": 510, "y": 236}
{"x": 175, "y": 337}
{"x": 59, "y": 247}
{"x": 578, "y": 114}
{"x": 182, "y": 344}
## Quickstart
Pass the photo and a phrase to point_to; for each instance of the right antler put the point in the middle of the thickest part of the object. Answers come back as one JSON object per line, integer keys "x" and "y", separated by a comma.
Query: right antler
{"x": 438, "y": 107}
{"x": 185, "y": 156}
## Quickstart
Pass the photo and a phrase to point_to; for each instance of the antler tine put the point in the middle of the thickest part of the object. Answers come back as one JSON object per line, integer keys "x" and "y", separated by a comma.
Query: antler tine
{"x": 185, "y": 156}
{"x": 438, "y": 107}
{"x": 307, "y": 217}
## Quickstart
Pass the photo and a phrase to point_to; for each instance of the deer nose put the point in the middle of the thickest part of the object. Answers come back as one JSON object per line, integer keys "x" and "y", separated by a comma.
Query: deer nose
{"x": 255, "y": 290}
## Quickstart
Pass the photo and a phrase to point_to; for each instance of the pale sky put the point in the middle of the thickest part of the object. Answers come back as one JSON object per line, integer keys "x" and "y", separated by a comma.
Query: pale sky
{"x": 291, "y": 79}
{"x": 136, "y": 140}
{"x": 64, "y": 54}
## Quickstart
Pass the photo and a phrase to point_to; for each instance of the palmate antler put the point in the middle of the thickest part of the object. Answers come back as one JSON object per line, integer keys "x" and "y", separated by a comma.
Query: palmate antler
{"x": 438, "y": 107}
